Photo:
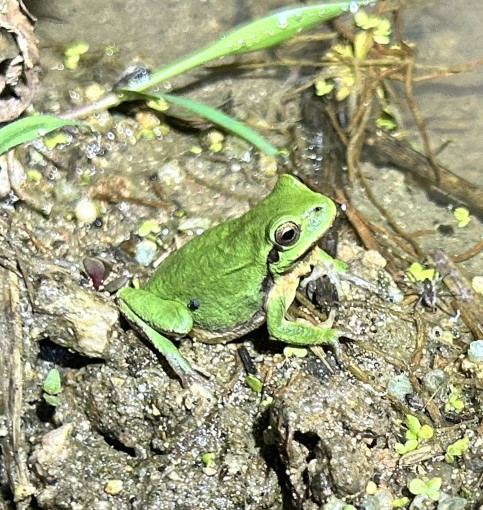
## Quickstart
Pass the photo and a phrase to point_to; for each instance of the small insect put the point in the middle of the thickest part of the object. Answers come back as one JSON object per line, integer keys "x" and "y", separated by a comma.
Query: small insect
{"x": 429, "y": 294}
{"x": 426, "y": 292}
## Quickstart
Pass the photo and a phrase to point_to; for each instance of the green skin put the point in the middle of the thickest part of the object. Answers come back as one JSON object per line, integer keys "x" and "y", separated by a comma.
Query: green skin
{"x": 238, "y": 275}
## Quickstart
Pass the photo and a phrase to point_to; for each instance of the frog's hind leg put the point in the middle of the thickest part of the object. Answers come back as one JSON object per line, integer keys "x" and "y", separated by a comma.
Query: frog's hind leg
{"x": 145, "y": 312}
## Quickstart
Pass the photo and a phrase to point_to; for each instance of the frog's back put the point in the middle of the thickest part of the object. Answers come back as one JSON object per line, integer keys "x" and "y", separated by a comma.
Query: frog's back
{"x": 221, "y": 276}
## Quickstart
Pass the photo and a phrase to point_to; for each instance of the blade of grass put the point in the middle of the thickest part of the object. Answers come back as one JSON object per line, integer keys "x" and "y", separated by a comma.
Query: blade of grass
{"x": 30, "y": 128}
{"x": 217, "y": 117}
{"x": 262, "y": 33}
{"x": 255, "y": 35}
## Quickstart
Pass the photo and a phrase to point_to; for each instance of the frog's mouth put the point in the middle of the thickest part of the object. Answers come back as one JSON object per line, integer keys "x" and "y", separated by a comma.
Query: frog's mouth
{"x": 274, "y": 256}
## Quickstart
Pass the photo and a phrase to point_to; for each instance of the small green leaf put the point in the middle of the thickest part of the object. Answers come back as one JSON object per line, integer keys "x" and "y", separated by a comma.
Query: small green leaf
{"x": 454, "y": 402}
{"x": 410, "y": 435}
{"x": 448, "y": 458}
{"x": 429, "y": 488}
{"x": 386, "y": 123}
{"x": 417, "y": 487}
{"x": 400, "y": 502}
{"x": 296, "y": 352}
{"x": 462, "y": 216}
{"x": 363, "y": 41}
{"x": 34, "y": 175}
{"x": 76, "y": 48}
{"x": 381, "y": 39}
{"x": 51, "y": 141}
{"x": 160, "y": 105}
{"x": 254, "y": 383}
{"x": 221, "y": 119}
{"x": 52, "y": 400}
{"x": 456, "y": 449}
{"x": 207, "y": 459}
{"x": 411, "y": 445}
{"x": 73, "y": 53}
{"x": 52, "y": 384}
{"x": 412, "y": 423}
{"x": 322, "y": 87}
{"x": 148, "y": 227}
{"x": 407, "y": 447}
{"x": 426, "y": 432}
{"x": 30, "y": 128}
{"x": 433, "y": 485}
{"x": 417, "y": 273}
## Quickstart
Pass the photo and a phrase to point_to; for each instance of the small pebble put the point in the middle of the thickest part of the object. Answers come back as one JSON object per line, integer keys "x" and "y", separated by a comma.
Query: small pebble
{"x": 113, "y": 487}
{"x": 475, "y": 351}
{"x": 399, "y": 386}
{"x": 145, "y": 252}
{"x": 477, "y": 284}
{"x": 86, "y": 210}
{"x": 434, "y": 380}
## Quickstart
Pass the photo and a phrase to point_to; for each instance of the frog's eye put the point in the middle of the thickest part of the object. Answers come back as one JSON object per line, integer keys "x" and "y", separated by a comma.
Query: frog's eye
{"x": 287, "y": 234}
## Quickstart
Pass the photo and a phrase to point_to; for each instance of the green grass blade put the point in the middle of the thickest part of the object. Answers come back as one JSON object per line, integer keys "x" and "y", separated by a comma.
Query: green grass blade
{"x": 256, "y": 35}
{"x": 220, "y": 119}
{"x": 29, "y": 128}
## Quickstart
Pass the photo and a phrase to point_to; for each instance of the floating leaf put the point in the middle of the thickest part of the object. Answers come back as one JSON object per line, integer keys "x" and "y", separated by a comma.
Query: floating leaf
{"x": 73, "y": 53}
{"x": 76, "y": 48}
{"x": 462, "y": 216}
{"x": 417, "y": 273}
{"x": 363, "y": 41}
{"x": 322, "y": 87}
{"x": 51, "y": 141}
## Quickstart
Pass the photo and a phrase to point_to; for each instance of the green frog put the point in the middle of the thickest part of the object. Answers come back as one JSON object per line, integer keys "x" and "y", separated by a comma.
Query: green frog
{"x": 238, "y": 275}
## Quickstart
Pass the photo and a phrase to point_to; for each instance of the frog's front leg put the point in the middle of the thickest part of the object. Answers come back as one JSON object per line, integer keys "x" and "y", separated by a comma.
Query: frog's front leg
{"x": 325, "y": 265}
{"x": 277, "y": 304}
{"x": 149, "y": 313}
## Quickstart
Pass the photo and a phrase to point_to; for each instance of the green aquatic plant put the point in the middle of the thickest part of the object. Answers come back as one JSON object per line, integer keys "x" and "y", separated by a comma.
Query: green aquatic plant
{"x": 262, "y": 33}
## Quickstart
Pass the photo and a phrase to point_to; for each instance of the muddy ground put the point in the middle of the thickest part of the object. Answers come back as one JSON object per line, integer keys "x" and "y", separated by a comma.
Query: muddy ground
{"x": 122, "y": 432}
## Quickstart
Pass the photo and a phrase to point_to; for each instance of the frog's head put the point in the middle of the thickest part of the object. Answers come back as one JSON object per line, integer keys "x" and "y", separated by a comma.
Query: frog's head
{"x": 299, "y": 217}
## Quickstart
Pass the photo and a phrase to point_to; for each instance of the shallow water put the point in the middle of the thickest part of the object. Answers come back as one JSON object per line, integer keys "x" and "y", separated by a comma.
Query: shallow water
{"x": 152, "y": 33}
